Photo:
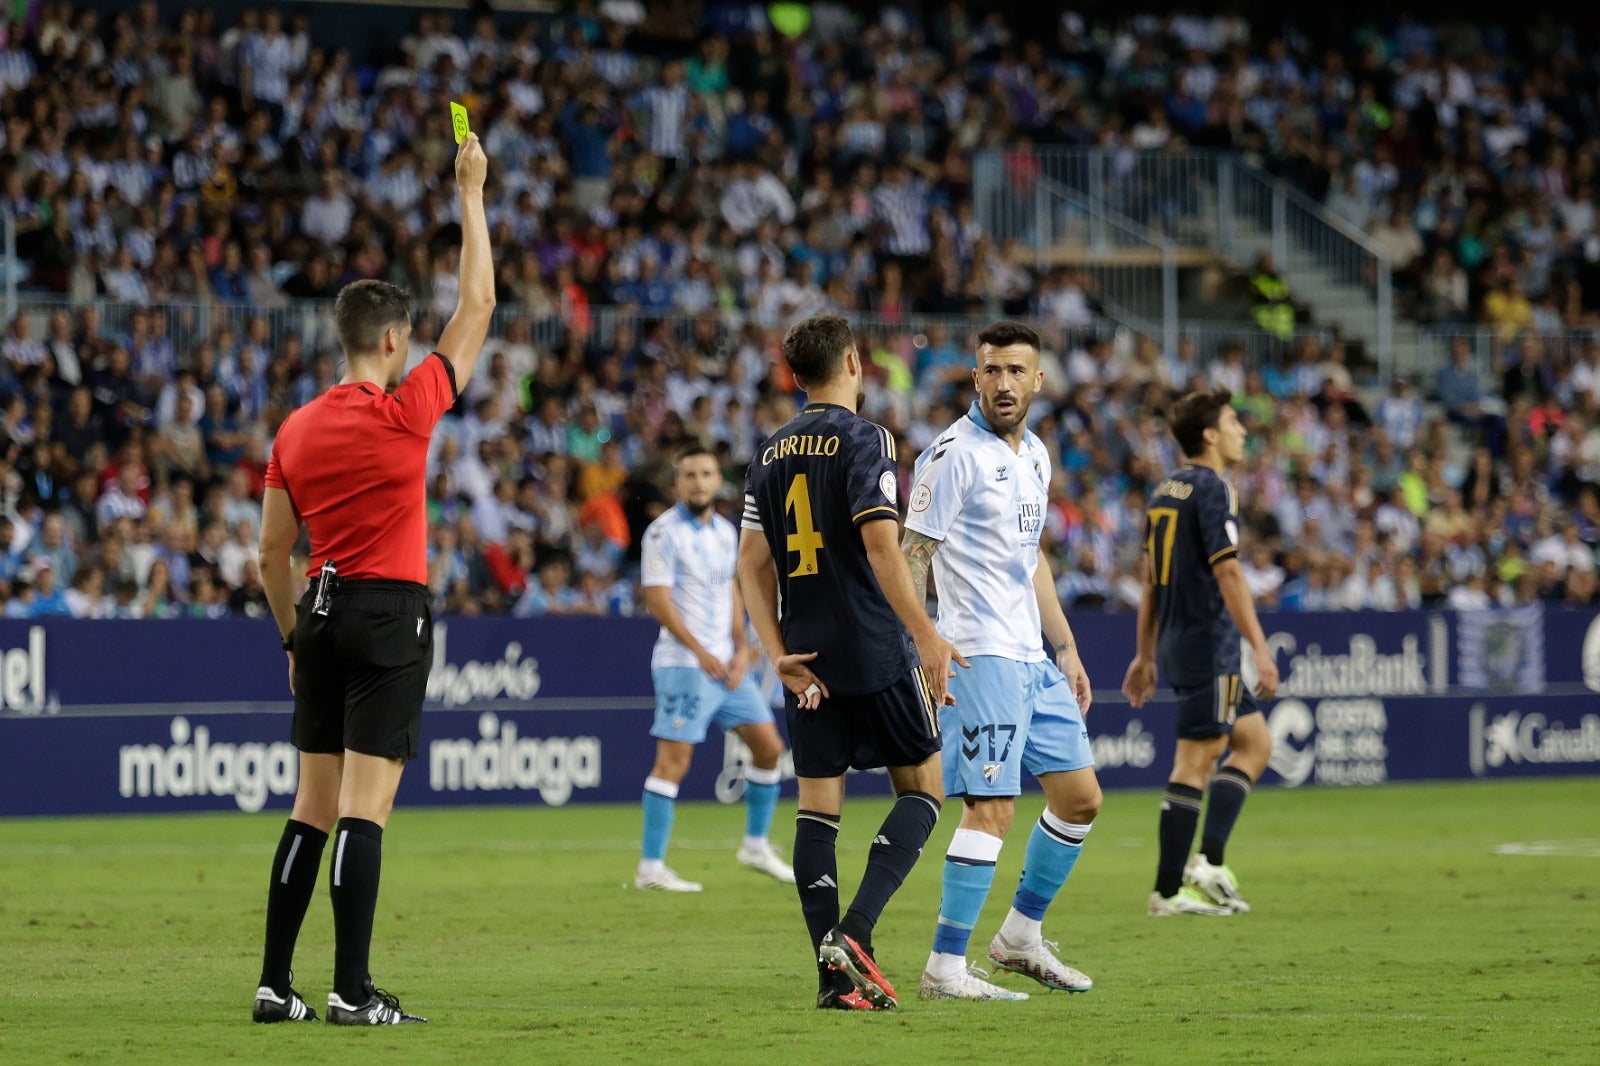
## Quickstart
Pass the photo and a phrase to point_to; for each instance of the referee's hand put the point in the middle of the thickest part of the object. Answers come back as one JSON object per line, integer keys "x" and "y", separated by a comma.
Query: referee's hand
{"x": 291, "y": 673}
{"x": 472, "y": 166}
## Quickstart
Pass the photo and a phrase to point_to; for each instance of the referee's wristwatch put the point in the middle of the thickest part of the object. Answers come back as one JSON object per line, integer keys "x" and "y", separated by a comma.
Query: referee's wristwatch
{"x": 287, "y": 642}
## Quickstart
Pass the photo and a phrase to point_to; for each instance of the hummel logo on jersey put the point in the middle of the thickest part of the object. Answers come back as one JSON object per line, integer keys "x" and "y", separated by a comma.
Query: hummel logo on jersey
{"x": 881, "y": 839}
{"x": 1001, "y": 472}
{"x": 825, "y": 881}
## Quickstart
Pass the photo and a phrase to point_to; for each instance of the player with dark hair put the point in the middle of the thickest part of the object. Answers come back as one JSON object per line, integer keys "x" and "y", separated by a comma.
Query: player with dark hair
{"x": 351, "y": 466}
{"x": 701, "y": 671}
{"x": 977, "y": 511}
{"x": 821, "y": 530}
{"x": 1196, "y": 603}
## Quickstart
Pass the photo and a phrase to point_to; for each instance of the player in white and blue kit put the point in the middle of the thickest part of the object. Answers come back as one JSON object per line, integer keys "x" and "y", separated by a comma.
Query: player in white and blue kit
{"x": 701, "y": 671}
{"x": 976, "y": 512}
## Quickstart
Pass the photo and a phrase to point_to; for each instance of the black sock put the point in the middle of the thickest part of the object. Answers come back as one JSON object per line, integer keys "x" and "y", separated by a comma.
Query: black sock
{"x": 294, "y": 878}
{"x": 895, "y": 851}
{"x": 353, "y": 884}
{"x": 816, "y": 876}
{"x": 1180, "y": 811}
{"x": 1229, "y": 789}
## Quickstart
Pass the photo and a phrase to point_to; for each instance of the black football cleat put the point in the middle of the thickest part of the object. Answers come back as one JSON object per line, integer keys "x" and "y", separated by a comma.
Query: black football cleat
{"x": 844, "y": 954}
{"x": 380, "y": 1008}
{"x": 271, "y": 1007}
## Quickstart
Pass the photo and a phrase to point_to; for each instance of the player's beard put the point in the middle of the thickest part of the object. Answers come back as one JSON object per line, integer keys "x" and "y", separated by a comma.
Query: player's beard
{"x": 703, "y": 509}
{"x": 1004, "y": 424}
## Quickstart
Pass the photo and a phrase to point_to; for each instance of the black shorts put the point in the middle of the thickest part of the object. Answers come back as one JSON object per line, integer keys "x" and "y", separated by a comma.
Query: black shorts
{"x": 1207, "y": 711}
{"x": 361, "y": 671}
{"x": 898, "y": 726}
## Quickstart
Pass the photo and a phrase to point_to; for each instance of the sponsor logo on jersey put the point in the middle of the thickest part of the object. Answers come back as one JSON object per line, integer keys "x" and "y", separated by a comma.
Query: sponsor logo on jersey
{"x": 1001, "y": 473}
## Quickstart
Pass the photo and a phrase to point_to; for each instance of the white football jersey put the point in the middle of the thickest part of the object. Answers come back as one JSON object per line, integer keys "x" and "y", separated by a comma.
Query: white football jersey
{"x": 697, "y": 561}
{"x": 985, "y": 504}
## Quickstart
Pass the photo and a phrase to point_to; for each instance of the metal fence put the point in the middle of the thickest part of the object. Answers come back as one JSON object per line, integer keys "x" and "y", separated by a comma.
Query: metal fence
{"x": 1212, "y": 200}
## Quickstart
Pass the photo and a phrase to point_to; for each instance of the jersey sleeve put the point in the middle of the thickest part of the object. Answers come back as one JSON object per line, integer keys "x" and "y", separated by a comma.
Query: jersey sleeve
{"x": 1217, "y": 508}
{"x": 944, "y": 476}
{"x": 658, "y": 560}
{"x": 872, "y": 479}
{"x": 426, "y": 394}
{"x": 752, "y": 509}
{"x": 274, "y": 475}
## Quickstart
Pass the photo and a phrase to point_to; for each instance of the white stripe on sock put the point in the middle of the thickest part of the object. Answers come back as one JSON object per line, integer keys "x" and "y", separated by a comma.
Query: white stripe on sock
{"x": 338, "y": 859}
{"x": 661, "y": 787}
{"x": 757, "y": 776}
{"x": 288, "y": 864}
{"x": 1060, "y": 827}
{"x": 975, "y": 846}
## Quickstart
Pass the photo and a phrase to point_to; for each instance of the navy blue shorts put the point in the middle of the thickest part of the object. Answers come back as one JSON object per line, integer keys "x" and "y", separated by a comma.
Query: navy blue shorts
{"x": 895, "y": 727}
{"x": 1208, "y": 711}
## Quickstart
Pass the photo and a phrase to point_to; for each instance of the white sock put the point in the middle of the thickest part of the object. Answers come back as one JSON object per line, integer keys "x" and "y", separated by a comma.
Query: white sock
{"x": 650, "y": 866}
{"x": 755, "y": 843}
{"x": 1019, "y": 930}
{"x": 943, "y": 966}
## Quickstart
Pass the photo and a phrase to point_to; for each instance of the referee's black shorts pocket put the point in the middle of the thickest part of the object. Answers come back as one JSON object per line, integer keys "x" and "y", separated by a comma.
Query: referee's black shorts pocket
{"x": 386, "y": 639}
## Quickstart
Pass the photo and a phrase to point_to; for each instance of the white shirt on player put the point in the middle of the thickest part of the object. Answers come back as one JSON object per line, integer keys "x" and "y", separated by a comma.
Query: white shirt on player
{"x": 697, "y": 561}
{"x": 985, "y": 504}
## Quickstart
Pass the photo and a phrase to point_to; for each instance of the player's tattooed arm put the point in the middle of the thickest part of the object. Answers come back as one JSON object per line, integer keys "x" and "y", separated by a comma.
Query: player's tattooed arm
{"x": 919, "y": 550}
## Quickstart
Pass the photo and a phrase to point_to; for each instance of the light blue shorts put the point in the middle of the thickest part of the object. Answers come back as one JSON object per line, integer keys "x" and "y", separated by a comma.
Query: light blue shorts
{"x": 687, "y": 702}
{"x": 1010, "y": 715}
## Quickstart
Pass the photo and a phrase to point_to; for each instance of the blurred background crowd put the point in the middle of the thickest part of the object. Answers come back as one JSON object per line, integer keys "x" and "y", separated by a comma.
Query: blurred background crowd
{"x": 672, "y": 184}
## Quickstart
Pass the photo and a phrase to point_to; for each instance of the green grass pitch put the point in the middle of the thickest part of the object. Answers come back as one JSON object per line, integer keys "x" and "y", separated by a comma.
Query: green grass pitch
{"x": 1391, "y": 925}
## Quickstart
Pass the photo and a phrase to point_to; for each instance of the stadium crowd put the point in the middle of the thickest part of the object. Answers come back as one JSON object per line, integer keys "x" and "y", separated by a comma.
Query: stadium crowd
{"x": 716, "y": 186}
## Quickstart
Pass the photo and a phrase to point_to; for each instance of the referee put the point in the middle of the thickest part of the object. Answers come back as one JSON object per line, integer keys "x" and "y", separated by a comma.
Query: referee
{"x": 350, "y": 465}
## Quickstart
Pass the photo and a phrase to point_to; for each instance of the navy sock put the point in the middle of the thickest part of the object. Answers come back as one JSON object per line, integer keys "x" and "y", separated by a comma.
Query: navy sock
{"x": 353, "y": 885}
{"x": 1229, "y": 789}
{"x": 294, "y": 879}
{"x": 1180, "y": 812}
{"x": 816, "y": 874}
{"x": 895, "y": 851}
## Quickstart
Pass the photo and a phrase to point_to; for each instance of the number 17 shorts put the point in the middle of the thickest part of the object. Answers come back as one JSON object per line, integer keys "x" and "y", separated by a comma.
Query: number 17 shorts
{"x": 1010, "y": 715}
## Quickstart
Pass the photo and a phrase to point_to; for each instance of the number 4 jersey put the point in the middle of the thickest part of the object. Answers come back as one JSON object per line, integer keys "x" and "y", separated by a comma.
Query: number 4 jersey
{"x": 1192, "y": 524}
{"x": 809, "y": 489}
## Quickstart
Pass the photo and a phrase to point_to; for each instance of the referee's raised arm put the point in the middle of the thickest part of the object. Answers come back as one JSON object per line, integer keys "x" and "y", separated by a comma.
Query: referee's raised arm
{"x": 463, "y": 334}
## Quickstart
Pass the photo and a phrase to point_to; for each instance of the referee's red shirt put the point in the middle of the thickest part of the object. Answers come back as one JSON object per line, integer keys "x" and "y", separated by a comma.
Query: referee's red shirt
{"x": 354, "y": 462}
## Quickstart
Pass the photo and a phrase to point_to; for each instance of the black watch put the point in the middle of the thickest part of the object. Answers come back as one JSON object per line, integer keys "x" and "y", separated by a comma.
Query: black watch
{"x": 287, "y": 642}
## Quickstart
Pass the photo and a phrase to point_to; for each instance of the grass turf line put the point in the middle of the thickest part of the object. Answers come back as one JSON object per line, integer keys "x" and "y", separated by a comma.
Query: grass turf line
{"x": 1386, "y": 929}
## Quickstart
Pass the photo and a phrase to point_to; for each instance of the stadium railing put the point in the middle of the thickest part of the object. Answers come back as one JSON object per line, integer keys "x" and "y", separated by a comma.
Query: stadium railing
{"x": 1213, "y": 200}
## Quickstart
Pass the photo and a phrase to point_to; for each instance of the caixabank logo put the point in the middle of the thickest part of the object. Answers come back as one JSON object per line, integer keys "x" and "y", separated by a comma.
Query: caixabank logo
{"x": 1513, "y": 738}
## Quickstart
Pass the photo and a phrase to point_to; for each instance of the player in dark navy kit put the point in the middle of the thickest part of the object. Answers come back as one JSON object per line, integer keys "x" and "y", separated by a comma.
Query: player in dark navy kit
{"x": 864, "y": 669}
{"x": 1196, "y": 603}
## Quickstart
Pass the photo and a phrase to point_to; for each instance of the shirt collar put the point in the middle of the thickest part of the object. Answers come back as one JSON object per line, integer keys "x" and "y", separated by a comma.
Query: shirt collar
{"x": 976, "y": 414}
{"x": 692, "y": 520}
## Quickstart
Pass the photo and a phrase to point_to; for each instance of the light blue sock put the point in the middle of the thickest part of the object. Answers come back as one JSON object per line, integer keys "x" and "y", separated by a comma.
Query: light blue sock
{"x": 1053, "y": 849}
{"x": 968, "y": 873}
{"x": 660, "y": 797}
{"x": 760, "y": 800}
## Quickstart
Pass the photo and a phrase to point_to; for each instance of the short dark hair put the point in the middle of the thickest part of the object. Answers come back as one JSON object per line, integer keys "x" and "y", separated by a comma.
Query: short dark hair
{"x": 1004, "y": 334}
{"x": 1195, "y": 413}
{"x": 814, "y": 348}
{"x": 690, "y": 452}
{"x": 364, "y": 310}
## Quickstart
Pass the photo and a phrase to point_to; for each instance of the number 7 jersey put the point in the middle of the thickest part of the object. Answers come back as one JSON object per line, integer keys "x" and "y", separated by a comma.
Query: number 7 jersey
{"x": 1192, "y": 524}
{"x": 809, "y": 490}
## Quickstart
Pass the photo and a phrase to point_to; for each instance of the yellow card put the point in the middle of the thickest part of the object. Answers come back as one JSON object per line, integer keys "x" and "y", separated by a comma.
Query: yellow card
{"x": 458, "y": 119}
